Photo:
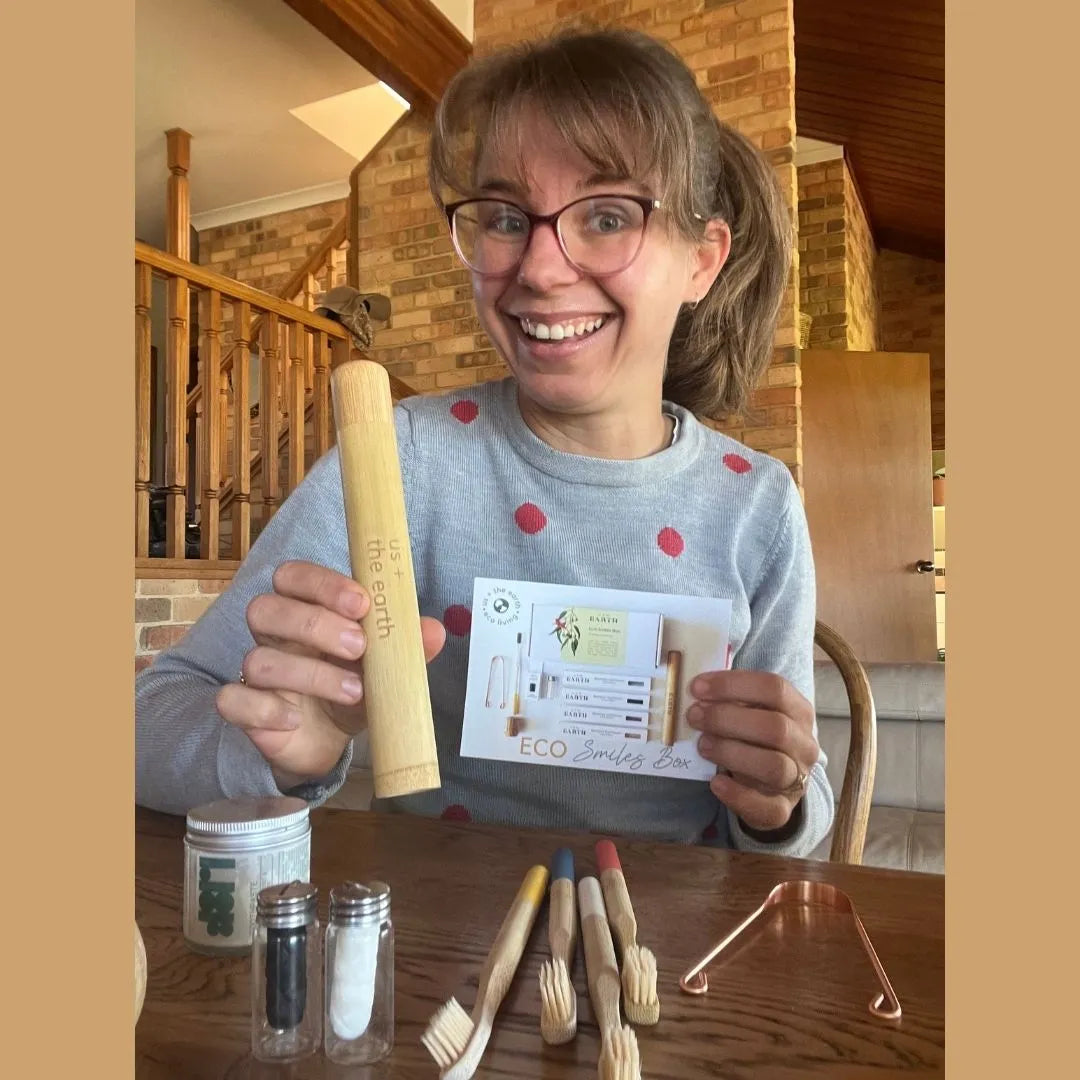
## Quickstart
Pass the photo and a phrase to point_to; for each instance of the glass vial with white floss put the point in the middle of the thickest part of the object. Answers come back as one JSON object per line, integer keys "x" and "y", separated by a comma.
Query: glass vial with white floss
{"x": 359, "y": 1027}
{"x": 286, "y": 983}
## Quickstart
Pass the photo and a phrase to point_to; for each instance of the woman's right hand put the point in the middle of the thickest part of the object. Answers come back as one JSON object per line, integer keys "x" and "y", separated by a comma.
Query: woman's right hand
{"x": 301, "y": 698}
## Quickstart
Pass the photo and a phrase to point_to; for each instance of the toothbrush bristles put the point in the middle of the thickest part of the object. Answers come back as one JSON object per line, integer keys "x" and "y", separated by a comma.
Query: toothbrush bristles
{"x": 619, "y": 1055}
{"x": 448, "y": 1033}
{"x": 640, "y": 1000}
{"x": 558, "y": 1003}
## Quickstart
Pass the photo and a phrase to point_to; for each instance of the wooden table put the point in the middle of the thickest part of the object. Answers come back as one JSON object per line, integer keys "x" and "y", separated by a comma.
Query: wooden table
{"x": 790, "y": 1002}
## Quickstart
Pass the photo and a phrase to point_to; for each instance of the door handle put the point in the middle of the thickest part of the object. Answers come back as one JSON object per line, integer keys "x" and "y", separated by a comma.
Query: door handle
{"x": 924, "y": 566}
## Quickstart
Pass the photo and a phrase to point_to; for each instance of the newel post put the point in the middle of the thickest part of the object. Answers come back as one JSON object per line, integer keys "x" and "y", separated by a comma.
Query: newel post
{"x": 177, "y": 233}
{"x": 178, "y": 199}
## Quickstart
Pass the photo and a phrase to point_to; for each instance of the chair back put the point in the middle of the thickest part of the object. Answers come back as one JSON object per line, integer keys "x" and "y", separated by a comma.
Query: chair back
{"x": 853, "y": 809}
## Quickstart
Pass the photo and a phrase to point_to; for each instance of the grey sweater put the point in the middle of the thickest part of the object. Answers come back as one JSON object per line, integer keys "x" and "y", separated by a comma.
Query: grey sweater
{"x": 486, "y": 497}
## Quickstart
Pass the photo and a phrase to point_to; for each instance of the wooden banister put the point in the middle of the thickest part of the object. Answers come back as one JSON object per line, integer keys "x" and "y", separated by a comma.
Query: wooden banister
{"x": 200, "y": 473}
{"x": 295, "y": 395}
{"x": 241, "y": 487}
{"x": 172, "y": 267}
{"x": 142, "y": 409}
{"x": 269, "y": 411}
{"x": 399, "y": 390}
{"x": 209, "y": 377}
{"x": 296, "y": 286}
{"x": 176, "y": 376}
{"x": 321, "y": 394}
{"x": 177, "y": 194}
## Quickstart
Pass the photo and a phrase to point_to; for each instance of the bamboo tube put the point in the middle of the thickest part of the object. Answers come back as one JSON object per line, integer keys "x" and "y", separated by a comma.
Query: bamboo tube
{"x": 671, "y": 696}
{"x": 402, "y": 732}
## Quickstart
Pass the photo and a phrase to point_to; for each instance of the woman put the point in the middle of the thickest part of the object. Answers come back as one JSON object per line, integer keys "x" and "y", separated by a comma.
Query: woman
{"x": 628, "y": 257}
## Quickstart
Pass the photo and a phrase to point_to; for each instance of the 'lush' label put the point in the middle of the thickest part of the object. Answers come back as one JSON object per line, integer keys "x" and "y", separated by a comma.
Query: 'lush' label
{"x": 217, "y": 901}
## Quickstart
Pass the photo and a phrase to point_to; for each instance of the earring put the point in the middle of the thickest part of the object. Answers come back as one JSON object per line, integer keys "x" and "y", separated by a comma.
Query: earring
{"x": 692, "y": 304}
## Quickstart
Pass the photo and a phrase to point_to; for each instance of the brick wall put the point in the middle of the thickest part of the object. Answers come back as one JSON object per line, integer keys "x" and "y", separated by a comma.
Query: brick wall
{"x": 743, "y": 55}
{"x": 434, "y": 340}
{"x": 165, "y": 609}
{"x": 265, "y": 251}
{"x": 742, "y": 52}
{"x": 836, "y": 259}
{"x": 912, "y": 297}
{"x": 860, "y": 256}
{"x": 822, "y": 276}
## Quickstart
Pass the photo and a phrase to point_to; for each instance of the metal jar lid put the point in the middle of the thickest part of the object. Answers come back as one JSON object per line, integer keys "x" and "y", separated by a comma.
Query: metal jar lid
{"x": 354, "y": 902}
{"x": 286, "y": 906}
{"x": 248, "y": 815}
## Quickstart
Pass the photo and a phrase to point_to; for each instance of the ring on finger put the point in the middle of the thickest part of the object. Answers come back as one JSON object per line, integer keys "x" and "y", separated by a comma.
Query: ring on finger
{"x": 798, "y": 788}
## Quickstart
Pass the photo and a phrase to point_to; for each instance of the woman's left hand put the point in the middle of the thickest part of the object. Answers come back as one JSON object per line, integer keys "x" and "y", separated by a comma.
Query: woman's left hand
{"x": 760, "y": 730}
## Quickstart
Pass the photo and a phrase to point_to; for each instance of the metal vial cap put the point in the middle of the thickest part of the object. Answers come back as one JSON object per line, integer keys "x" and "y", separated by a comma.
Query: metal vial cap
{"x": 287, "y": 906}
{"x": 354, "y": 902}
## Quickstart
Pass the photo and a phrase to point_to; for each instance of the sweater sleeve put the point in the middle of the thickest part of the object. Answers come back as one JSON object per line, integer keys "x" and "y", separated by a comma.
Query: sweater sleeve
{"x": 185, "y": 754}
{"x": 781, "y": 640}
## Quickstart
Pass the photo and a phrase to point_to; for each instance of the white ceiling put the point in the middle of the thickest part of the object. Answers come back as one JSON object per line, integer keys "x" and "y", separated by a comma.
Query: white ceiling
{"x": 810, "y": 151}
{"x": 229, "y": 72}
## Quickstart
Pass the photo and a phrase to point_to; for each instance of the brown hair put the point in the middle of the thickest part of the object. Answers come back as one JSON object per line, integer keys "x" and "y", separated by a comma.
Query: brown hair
{"x": 633, "y": 109}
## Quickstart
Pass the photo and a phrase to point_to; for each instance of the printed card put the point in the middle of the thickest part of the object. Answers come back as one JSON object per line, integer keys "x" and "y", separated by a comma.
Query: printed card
{"x": 589, "y": 678}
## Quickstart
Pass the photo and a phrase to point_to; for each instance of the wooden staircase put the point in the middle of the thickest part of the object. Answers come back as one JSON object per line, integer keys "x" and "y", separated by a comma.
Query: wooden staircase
{"x": 398, "y": 390}
{"x": 231, "y": 468}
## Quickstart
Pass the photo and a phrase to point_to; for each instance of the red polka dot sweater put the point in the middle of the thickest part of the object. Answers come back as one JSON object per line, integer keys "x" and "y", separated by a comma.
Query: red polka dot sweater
{"x": 487, "y": 497}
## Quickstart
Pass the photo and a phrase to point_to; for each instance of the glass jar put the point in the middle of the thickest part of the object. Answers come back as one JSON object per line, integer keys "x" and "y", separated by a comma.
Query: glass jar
{"x": 359, "y": 1022}
{"x": 286, "y": 982}
{"x": 234, "y": 848}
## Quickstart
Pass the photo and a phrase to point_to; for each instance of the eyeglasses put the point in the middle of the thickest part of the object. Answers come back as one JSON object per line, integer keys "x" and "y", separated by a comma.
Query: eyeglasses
{"x": 599, "y": 234}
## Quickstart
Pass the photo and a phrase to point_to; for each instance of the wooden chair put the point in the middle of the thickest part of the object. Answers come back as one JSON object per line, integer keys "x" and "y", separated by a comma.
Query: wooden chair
{"x": 853, "y": 809}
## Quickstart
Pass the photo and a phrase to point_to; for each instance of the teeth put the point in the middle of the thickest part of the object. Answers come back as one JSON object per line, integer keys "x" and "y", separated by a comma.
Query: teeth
{"x": 560, "y": 331}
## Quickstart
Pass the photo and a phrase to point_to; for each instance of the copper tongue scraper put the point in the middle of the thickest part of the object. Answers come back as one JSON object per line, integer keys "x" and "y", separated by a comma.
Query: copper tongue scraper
{"x": 885, "y": 1005}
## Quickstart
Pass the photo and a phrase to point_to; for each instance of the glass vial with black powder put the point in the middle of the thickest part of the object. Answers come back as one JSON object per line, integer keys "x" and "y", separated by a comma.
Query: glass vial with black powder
{"x": 286, "y": 974}
{"x": 359, "y": 1024}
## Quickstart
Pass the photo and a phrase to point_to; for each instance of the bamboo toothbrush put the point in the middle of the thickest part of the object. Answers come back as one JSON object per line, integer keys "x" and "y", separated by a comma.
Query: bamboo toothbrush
{"x": 456, "y": 1041}
{"x": 558, "y": 1001}
{"x": 619, "y": 1057}
{"x": 640, "y": 1000}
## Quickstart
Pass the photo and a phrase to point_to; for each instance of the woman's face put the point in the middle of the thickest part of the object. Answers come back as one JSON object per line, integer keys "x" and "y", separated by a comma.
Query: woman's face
{"x": 621, "y": 363}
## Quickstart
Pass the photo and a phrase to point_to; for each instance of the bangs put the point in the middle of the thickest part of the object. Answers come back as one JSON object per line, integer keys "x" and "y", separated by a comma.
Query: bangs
{"x": 593, "y": 92}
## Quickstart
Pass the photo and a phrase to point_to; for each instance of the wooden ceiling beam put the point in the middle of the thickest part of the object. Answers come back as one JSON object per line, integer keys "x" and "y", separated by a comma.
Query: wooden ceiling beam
{"x": 924, "y": 246}
{"x": 869, "y": 74}
{"x": 926, "y": 16}
{"x": 874, "y": 126}
{"x": 407, "y": 44}
{"x": 826, "y": 75}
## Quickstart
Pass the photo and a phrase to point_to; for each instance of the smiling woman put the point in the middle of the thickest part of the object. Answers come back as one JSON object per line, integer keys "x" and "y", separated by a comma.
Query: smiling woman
{"x": 628, "y": 253}
{"x": 620, "y": 116}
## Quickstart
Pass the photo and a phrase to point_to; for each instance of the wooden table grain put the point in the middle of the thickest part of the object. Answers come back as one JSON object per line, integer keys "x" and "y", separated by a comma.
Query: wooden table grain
{"x": 790, "y": 1002}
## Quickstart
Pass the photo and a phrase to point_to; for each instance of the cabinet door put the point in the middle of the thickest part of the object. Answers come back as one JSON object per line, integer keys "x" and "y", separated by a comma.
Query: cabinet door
{"x": 867, "y": 477}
